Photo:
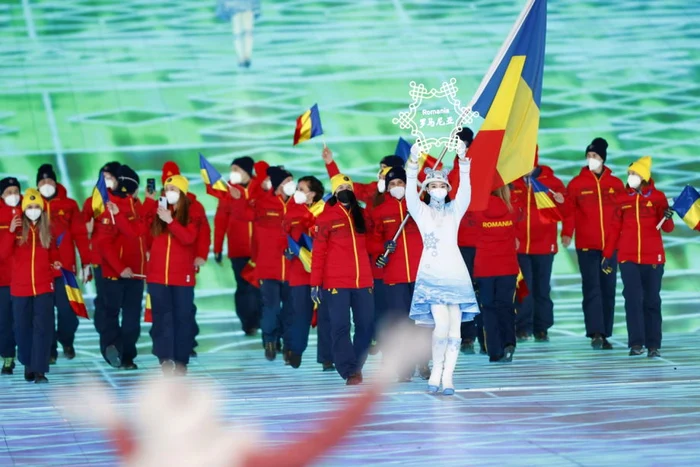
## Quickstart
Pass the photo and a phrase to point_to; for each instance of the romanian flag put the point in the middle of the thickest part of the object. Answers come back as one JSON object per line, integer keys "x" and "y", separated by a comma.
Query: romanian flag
{"x": 308, "y": 125}
{"x": 403, "y": 149}
{"x": 521, "y": 290}
{"x": 509, "y": 101}
{"x": 75, "y": 296}
{"x": 545, "y": 206}
{"x": 301, "y": 252}
{"x": 216, "y": 186}
{"x": 100, "y": 196}
{"x": 148, "y": 315}
{"x": 687, "y": 206}
{"x": 426, "y": 161}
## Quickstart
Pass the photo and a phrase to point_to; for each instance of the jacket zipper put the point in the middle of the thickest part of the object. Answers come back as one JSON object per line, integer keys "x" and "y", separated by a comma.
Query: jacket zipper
{"x": 33, "y": 259}
{"x": 639, "y": 233}
{"x": 600, "y": 209}
{"x": 354, "y": 249}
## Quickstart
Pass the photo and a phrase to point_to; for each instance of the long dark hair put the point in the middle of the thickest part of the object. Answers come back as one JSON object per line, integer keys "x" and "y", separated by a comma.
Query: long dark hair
{"x": 504, "y": 193}
{"x": 181, "y": 214}
{"x": 315, "y": 185}
{"x": 358, "y": 219}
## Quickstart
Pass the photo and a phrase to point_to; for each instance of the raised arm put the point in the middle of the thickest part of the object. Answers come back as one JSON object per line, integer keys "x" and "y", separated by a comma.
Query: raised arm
{"x": 464, "y": 192}
{"x": 413, "y": 202}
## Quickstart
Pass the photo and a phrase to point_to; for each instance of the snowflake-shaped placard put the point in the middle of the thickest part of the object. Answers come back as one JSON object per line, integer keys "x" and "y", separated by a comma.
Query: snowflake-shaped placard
{"x": 450, "y": 117}
{"x": 430, "y": 242}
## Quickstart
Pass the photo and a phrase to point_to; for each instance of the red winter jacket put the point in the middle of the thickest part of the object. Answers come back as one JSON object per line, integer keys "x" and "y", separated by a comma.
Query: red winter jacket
{"x": 536, "y": 237}
{"x": 340, "y": 258}
{"x": 238, "y": 230}
{"x": 267, "y": 211}
{"x": 495, "y": 250}
{"x": 172, "y": 252}
{"x": 199, "y": 215}
{"x": 633, "y": 228}
{"x": 300, "y": 219}
{"x": 7, "y": 213}
{"x": 468, "y": 229}
{"x": 31, "y": 263}
{"x": 68, "y": 225}
{"x": 124, "y": 245}
{"x": 403, "y": 263}
{"x": 590, "y": 207}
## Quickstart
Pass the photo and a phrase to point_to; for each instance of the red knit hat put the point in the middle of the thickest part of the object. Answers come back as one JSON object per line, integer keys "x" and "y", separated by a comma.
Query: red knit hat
{"x": 170, "y": 168}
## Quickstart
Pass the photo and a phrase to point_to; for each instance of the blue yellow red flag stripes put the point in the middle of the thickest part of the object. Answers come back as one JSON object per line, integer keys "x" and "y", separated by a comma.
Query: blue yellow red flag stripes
{"x": 546, "y": 208}
{"x": 301, "y": 252}
{"x": 403, "y": 149}
{"x": 308, "y": 125}
{"x": 687, "y": 206}
{"x": 100, "y": 196}
{"x": 214, "y": 182}
{"x": 75, "y": 296}
{"x": 148, "y": 315}
{"x": 521, "y": 290}
{"x": 509, "y": 101}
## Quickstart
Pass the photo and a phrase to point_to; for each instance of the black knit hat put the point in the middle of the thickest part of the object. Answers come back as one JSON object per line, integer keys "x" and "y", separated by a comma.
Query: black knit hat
{"x": 128, "y": 180}
{"x": 600, "y": 147}
{"x": 245, "y": 163}
{"x": 45, "y": 171}
{"x": 277, "y": 175}
{"x": 395, "y": 173}
{"x": 467, "y": 135}
{"x": 111, "y": 168}
{"x": 6, "y": 183}
{"x": 392, "y": 161}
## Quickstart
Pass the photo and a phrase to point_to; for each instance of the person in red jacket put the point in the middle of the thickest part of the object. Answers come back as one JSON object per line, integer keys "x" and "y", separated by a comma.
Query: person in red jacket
{"x": 537, "y": 246}
{"x": 299, "y": 220}
{"x": 496, "y": 272}
{"x": 123, "y": 269}
{"x": 68, "y": 227}
{"x": 401, "y": 267}
{"x": 341, "y": 268}
{"x": 33, "y": 258}
{"x": 172, "y": 234}
{"x": 590, "y": 200}
{"x": 9, "y": 209}
{"x": 636, "y": 235}
{"x": 203, "y": 243}
{"x": 95, "y": 231}
{"x": 239, "y": 232}
{"x": 268, "y": 212}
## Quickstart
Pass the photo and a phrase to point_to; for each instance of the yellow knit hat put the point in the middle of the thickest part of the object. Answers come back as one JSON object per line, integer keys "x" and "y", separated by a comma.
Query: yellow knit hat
{"x": 32, "y": 196}
{"x": 179, "y": 182}
{"x": 642, "y": 167}
{"x": 338, "y": 180}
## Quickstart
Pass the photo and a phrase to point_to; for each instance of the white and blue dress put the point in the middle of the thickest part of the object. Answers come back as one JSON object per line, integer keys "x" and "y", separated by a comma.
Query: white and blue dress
{"x": 443, "y": 278}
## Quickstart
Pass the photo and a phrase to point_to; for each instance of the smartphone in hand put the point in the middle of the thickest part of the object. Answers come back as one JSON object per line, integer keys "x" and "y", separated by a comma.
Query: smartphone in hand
{"x": 151, "y": 185}
{"x": 163, "y": 202}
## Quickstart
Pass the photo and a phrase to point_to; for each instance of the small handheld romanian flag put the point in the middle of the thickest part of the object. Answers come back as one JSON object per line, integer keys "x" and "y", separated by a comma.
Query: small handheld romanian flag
{"x": 403, "y": 149}
{"x": 148, "y": 315}
{"x": 216, "y": 186}
{"x": 521, "y": 290}
{"x": 75, "y": 296}
{"x": 248, "y": 274}
{"x": 100, "y": 196}
{"x": 546, "y": 208}
{"x": 687, "y": 206}
{"x": 301, "y": 251}
{"x": 308, "y": 125}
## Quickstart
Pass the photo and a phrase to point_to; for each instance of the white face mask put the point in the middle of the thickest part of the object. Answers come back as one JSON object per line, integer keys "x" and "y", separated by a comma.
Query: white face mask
{"x": 634, "y": 181}
{"x": 438, "y": 194}
{"x": 33, "y": 214}
{"x": 300, "y": 197}
{"x": 266, "y": 185}
{"x": 381, "y": 186}
{"x": 289, "y": 188}
{"x": 235, "y": 178}
{"x": 594, "y": 164}
{"x": 111, "y": 183}
{"x": 172, "y": 196}
{"x": 47, "y": 191}
{"x": 12, "y": 200}
{"x": 398, "y": 192}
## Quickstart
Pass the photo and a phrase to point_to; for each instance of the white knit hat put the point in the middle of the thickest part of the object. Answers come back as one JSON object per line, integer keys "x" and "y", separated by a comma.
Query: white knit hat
{"x": 436, "y": 176}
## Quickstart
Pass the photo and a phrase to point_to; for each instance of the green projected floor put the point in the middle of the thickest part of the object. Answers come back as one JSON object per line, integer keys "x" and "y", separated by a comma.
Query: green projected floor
{"x": 144, "y": 81}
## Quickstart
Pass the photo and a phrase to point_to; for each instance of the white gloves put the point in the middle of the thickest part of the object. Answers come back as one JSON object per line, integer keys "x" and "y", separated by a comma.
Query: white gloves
{"x": 461, "y": 150}
{"x": 415, "y": 152}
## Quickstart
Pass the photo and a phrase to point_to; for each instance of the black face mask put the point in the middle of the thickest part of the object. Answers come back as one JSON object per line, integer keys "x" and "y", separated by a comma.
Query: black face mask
{"x": 346, "y": 197}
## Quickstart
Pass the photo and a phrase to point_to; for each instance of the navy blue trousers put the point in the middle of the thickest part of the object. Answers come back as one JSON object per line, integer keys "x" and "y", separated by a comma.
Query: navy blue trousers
{"x": 496, "y": 295}
{"x": 34, "y": 321}
{"x": 598, "y": 292}
{"x": 97, "y": 303}
{"x": 276, "y": 310}
{"x": 398, "y": 302}
{"x": 247, "y": 297}
{"x": 196, "y": 327}
{"x": 642, "y": 292}
{"x": 7, "y": 334}
{"x": 471, "y": 329}
{"x": 324, "y": 347}
{"x": 349, "y": 355}
{"x": 173, "y": 322}
{"x": 536, "y": 312}
{"x": 67, "y": 320}
{"x": 301, "y": 312}
{"x": 380, "y": 305}
{"x": 121, "y": 296}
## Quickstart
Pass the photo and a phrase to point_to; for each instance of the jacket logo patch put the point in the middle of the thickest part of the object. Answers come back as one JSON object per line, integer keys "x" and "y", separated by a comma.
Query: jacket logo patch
{"x": 61, "y": 213}
{"x": 587, "y": 192}
{"x": 336, "y": 226}
{"x": 649, "y": 204}
{"x": 295, "y": 222}
{"x": 627, "y": 206}
{"x": 611, "y": 190}
{"x": 272, "y": 213}
{"x": 334, "y": 292}
{"x": 496, "y": 224}
{"x": 388, "y": 221}
{"x": 105, "y": 221}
